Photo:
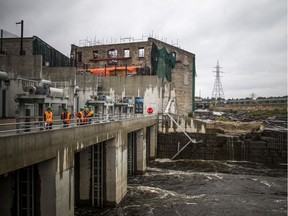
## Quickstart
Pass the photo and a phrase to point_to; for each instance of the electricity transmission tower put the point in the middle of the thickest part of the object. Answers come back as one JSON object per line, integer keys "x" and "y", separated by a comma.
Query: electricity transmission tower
{"x": 218, "y": 92}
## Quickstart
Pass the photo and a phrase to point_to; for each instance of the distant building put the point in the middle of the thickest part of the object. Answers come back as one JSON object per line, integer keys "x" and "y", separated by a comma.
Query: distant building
{"x": 34, "y": 46}
{"x": 174, "y": 67}
{"x": 258, "y": 101}
{"x": 21, "y": 75}
{"x": 204, "y": 103}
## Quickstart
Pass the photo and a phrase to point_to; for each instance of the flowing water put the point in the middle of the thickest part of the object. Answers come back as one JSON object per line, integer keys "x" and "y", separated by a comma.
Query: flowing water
{"x": 203, "y": 188}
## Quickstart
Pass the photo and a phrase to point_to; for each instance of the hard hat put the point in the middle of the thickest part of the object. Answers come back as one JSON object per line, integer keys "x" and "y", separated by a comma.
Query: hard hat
{"x": 89, "y": 106}
{"x": 49, "y": 107}
{"x": 81, "y": 109}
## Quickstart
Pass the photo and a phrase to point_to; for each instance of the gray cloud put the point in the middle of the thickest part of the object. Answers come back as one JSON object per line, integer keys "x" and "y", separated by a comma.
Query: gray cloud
{"x": 249, "y": 38}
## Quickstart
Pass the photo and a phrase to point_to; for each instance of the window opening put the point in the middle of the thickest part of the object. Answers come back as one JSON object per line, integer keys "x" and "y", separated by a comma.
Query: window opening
{"x": 174, "y": 55}
{"x": 126, "y": 53}
{"x": 141, "y": 52}
{"x": 95, "y": 54}
{"x": 112, "y": 53}
{"x": 79, "y": 56}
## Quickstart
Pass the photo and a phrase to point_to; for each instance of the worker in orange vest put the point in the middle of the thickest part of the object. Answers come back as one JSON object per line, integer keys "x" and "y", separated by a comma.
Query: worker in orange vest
{"x": 48, "y": 118}
{"x": 89, "y": 114}
{"x": 66, "y": 116}
{"x": 80, "y": 117}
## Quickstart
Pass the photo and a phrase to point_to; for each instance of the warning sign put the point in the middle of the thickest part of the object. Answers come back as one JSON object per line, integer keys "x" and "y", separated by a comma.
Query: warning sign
{"x": 150, "y": 110}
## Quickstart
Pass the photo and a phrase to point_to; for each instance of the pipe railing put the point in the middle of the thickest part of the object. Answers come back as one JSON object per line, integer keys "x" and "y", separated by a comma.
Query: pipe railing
{"x": 24, "y": 124}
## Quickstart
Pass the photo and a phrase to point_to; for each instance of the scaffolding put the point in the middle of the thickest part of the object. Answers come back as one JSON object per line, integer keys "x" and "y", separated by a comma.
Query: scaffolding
{"x": 128, "y": 39}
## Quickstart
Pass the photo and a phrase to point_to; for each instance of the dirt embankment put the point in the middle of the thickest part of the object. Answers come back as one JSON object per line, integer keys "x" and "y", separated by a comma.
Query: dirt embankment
{"x": 243, "y": 119}
{"x": 236, "y": 128}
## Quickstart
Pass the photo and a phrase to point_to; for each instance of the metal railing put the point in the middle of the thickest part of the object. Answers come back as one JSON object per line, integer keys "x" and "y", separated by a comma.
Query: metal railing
{"x": 24, "y": 124}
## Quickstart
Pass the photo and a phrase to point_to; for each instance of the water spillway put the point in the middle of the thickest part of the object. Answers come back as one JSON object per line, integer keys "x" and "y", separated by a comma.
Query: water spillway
{"x": 269, "y": 146}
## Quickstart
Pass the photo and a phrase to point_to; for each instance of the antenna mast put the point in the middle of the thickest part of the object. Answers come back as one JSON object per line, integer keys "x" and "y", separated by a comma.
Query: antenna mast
{"x": 218, "y": 92}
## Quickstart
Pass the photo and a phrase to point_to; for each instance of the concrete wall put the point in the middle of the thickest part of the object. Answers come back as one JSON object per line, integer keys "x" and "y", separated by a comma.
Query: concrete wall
{"x": 85, "y": 175}
{"x": 47, "y": 173}
{"x": 153, "y": 141}
{"x": 27, "y": 66}
{"x": 268, "y": 147}
{"x": 116, "y": 172}
{"x": 65, "y": 192}
{"x": 148, "y": 87}
{"x": 179, "y": 124}
{"x": 7, "y": 192}
{"x": 12, "y": 46}
{"x": 155, "y": 93}
{"x": 60, "y": 74}
{"x": 141, "y": 151}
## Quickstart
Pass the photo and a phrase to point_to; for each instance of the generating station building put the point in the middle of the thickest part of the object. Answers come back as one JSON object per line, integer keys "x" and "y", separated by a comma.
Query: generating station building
{"x": 48, "y": 172}
{"x": 151, "y": 71}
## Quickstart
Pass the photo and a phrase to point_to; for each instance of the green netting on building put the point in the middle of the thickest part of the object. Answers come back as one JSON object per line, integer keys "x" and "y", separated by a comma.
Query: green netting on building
{"x": 166, "y": 62}
{"x": 162, "y": 62}
{"x": 49, "y": 54}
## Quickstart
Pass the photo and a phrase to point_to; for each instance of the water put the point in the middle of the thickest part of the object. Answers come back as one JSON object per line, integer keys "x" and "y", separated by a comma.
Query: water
{"x": 197, "y": 187}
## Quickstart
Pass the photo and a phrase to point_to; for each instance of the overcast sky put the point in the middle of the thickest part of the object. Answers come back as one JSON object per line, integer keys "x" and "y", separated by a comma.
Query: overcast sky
{"x": 247, "y": 37}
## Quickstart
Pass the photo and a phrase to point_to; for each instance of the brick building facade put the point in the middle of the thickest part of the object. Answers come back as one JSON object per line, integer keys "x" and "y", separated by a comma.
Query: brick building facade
{"x": 119, "y": 58}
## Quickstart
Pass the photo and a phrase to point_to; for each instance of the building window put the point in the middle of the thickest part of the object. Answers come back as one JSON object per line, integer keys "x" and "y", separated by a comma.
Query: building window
{"x": 141, "y": 52}
{"x": 95, "y": 54}
{"x": 79, "y": 56}
{"x": 126, "y": 53}
{"x": 174, "y": 55}
{"x": 112, "y": 53}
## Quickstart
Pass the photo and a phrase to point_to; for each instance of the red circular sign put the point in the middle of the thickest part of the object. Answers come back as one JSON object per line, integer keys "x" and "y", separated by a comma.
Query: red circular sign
{"x": 150, "y": 110}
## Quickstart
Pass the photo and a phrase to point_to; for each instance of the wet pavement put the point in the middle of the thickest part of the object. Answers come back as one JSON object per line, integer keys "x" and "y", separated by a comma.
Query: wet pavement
{"x": 198, "y": 187}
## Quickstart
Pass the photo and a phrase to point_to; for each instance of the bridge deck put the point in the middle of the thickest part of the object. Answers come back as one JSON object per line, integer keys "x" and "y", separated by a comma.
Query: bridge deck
{"x": 19, "y": 150}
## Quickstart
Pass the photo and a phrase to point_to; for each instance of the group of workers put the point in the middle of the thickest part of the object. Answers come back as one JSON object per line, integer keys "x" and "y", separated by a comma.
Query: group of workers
{"x": 84, "y": 116}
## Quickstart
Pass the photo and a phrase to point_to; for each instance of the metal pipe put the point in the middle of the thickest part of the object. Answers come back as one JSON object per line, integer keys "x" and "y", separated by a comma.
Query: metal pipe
{"x": 22, "y": 30}
{"x": 179, "y": 151}
{"x": 1, "y": 42}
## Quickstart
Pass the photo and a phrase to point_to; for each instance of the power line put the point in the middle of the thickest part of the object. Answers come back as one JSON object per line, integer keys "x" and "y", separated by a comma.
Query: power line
{"x": 218, "y": 92}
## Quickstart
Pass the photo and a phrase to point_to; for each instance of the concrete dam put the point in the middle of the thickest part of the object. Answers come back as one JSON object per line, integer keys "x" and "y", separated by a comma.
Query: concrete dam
{"x": 48, "y": 172}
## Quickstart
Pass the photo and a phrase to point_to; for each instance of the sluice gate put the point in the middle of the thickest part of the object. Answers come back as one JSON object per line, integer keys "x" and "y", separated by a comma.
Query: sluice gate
{"x": 131, "y": 153}
{"x": 25, "y": 191}
{"x": 261, "y": 149}
{"x": 98, "y": 174}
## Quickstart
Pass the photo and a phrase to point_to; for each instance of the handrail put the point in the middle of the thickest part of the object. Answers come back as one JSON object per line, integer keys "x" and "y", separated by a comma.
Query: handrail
{"x": 22, "y": 125}
{"x": 194, "y": 141}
